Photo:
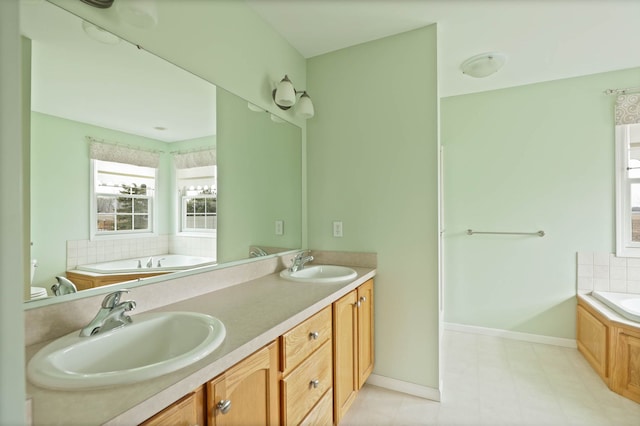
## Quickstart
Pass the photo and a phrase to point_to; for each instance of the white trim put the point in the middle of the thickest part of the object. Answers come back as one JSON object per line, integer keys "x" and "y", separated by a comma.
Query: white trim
{"x": 404, "y": 387}
{"x": 514, "y": 335}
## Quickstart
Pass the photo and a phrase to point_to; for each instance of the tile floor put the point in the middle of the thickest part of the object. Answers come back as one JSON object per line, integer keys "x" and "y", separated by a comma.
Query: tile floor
{"x": 495, "y": 381}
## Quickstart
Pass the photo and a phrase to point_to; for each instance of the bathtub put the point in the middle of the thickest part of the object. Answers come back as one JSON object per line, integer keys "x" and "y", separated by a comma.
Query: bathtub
{"x": 627, "y": 305}
{"x": 169, "y": 262}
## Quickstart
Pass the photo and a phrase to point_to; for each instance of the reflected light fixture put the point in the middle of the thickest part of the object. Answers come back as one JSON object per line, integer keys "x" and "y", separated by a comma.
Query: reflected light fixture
{"x": 102, "y": 4}
{"x": 285, "y": 96}
{"x": 483, "y": 65}
{"x": 98, "y": 34}
{"x": 138, "y": 13}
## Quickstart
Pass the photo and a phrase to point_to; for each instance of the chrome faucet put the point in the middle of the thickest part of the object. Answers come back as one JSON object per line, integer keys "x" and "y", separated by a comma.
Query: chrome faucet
{"x": 150, "y": 262}
{"x": 63, "y": 286}
{"x": 299, "y": 261}
{"x": 112, "y": 314}
{"x": 159, "y": 265}
{"x": 257, "y": 252}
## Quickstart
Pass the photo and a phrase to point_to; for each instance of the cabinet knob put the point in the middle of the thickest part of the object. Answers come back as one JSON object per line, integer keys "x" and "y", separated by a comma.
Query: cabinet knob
{"x": 363, "y": 299}
{"x": 357, "y": 304}
{"x": 314, "y": 383}
{"x": 224, "y": 406}
{"x": 314, "y": 335}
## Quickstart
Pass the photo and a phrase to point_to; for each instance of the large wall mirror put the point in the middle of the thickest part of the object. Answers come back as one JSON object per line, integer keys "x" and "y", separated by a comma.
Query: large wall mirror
{"x": 139, "y": 168}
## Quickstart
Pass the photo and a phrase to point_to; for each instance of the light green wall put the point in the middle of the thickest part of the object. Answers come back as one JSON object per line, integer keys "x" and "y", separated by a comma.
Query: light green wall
{"x": 259, "y": 169}
{"x": 535, "y": 157}
{"x": 372, "y": 163}
{"x": 60, "y": 187}
{"x": 13, "y": 224}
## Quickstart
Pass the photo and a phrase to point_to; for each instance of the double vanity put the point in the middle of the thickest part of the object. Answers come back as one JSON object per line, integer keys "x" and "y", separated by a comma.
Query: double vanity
{"x": 248, "y": 341}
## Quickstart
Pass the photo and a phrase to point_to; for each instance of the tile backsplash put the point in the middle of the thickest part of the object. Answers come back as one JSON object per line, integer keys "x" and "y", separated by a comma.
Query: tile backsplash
{"x": 83, "y": 252}
{"x": 607, "y": 272}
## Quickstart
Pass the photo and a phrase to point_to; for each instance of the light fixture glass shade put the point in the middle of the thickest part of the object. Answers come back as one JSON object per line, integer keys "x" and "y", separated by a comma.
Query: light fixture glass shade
{"x": 285, "y": 95}
{"x": 138, "y": 13}
{"x": 483, "y": 65}
{"x": 304, "y": 107}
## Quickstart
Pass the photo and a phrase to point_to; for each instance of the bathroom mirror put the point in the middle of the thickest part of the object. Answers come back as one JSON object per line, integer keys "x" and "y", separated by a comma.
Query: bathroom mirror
{"x": 89, "y": 84}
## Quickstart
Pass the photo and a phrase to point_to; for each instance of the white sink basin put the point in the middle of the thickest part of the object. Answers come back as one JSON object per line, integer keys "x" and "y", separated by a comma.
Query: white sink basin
{"x": 153, "y": 345}
{"x": 321, "y": 274}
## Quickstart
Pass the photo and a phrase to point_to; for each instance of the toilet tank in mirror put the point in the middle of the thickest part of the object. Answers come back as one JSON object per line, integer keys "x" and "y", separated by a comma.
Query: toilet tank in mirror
{"x": 137, "y": 161}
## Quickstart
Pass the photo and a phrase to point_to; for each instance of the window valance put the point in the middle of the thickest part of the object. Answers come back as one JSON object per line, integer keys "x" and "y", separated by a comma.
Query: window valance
{"x": 107, "y": 151}
{"x": 200, "y": 158}
{"x": 628, "y": 109}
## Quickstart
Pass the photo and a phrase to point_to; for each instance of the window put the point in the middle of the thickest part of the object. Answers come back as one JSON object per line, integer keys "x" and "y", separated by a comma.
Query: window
{"x": 628, "y": 190}
{"x": 123, "y": 197}
{"x": 198, "y": 196}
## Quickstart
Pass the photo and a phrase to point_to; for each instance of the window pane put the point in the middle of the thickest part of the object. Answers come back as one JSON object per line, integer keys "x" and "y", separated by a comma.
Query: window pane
{"x": 125, "y": 205}
{"x": 125, "y": 222}
{"x": 211, "y": 205}
{"x": 105, "y": 204}
{"x": 141, "y": 221}
{"x": 635, "y": 212}
{"x": 106, "y": 222}
{"x": 141, "y": 205}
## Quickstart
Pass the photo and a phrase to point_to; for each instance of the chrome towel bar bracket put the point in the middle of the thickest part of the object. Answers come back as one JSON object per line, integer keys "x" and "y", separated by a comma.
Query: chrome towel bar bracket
{"x": 539, "y": 233}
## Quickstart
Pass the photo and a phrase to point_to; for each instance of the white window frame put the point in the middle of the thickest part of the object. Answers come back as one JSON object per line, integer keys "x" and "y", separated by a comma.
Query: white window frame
{"x": 94, "y": 234}
{"x": 184, "y": 229}
{"x": 625, "y": 247}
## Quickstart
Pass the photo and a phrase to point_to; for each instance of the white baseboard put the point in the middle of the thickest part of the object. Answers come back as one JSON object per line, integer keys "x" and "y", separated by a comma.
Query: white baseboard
{"x": 515, "y": 335}
{"x": 404, "y": 387}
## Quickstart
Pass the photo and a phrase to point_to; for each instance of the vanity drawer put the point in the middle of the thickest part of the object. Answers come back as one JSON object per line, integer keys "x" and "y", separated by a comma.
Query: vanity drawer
{"x": 299, "y": 342}
{"x": 304, "y": 387}
{"x": 322, "y": 413}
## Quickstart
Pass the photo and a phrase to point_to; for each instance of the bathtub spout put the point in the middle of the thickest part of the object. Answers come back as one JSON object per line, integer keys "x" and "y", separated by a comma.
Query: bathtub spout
{"x": 150, "y": 262}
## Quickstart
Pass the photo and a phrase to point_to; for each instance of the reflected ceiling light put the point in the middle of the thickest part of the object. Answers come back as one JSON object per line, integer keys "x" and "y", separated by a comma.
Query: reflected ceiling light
{"x": 483, "y": 65}
{"x": 99, "y": 34}
{"x": 285, "y": 96}
{"x": 102, "y": 4}
{"x": 138, "y": 13}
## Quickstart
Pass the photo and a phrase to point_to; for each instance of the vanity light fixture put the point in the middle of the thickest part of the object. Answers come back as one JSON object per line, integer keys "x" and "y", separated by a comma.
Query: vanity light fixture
{"x": 102, "y": 4}
{"x": 285, "y": 96}
{"x": 483, "y": 65}
{"x": 98, "y": 34}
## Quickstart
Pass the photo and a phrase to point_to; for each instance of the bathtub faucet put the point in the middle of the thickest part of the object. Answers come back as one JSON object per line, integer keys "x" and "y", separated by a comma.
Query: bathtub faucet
{"x": 112, "y": 314}
{"x": 159, "y": 265}
{"x": 150, "y": 262}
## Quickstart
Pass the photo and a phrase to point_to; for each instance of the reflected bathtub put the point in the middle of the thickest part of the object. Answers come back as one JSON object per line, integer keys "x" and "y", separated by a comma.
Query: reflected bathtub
{"x": 627, "y": 305}
{"x": 168, "y": 262}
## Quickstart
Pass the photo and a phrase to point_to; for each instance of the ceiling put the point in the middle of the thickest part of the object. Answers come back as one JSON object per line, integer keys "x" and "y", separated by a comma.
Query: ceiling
{"x": 543, "y": 39}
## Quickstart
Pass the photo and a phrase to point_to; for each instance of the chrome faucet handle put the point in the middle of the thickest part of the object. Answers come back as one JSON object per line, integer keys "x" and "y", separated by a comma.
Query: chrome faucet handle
{"x": 159, "y": 265}
{"x": 111, "y": 300}
{"x": 139, "y": 263}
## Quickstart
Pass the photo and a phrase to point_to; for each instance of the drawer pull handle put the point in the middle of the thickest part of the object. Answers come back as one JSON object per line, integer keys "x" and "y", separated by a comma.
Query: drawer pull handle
{"x": 314, "y": 383}
{"x": 224, "y": 406}
{"x": 314, "y": 335}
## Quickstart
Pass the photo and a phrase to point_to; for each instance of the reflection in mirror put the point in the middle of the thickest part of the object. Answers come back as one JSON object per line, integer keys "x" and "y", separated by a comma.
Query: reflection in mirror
{"x": 139, "y": 168}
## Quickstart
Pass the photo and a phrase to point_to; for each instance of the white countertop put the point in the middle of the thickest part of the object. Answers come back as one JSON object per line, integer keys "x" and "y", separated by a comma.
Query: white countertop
{"x": 254, "y": 313}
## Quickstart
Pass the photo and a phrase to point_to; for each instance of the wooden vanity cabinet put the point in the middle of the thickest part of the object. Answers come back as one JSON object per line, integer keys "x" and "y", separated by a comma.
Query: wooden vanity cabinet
{"x": 352, "y": 346}
{"x": 86, "y": 281}
{"x": 247, "y": 393}
{"x": 307, "y": 372}
{"x": 188, "y": 411}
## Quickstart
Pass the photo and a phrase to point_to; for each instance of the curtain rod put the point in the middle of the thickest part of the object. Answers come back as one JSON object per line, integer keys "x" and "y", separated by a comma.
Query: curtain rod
{"x": 621, "y": 91}
{"x": 91, "y": 139}
{"x": 189, "y": 151}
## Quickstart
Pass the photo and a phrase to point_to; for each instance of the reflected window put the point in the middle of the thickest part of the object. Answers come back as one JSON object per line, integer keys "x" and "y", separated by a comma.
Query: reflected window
{"x": 628, "y": 190}
{"x": 123, "y": 198}
{"x": 199, "y": 196}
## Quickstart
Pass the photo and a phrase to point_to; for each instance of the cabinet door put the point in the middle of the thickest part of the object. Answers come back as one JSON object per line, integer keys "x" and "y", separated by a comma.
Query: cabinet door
{"x": 592, "y": 341}
{"x": 247, "y": 393}
{"x": 345, "y": 354}
{"x": 186, "y": 412}
{"x": 365, "y": 332}
{"x": 626, "y": 368}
